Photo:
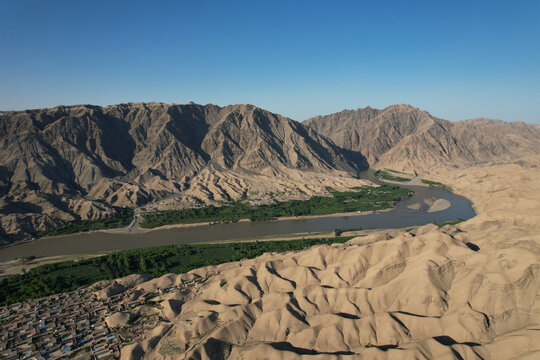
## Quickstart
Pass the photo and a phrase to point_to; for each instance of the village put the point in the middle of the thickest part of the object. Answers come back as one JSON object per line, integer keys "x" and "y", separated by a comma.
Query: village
{"x": 71, "y": 325}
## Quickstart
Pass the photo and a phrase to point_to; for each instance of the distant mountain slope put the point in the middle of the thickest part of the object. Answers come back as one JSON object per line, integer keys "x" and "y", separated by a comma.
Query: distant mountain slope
{"x": 404, "y": 137}
{"x": 69, "y": 162}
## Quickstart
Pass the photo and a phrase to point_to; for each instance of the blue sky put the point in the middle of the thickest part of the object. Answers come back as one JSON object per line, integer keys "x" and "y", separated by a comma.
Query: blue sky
{"x": 456, "y": 59}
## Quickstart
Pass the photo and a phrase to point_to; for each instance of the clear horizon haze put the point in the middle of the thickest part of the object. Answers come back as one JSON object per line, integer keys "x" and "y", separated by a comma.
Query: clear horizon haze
{"x": 457, "y": 60}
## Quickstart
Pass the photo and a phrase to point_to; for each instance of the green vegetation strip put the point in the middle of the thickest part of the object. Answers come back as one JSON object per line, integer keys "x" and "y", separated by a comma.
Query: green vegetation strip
{"x": 122, "y": 218}
{"x": 155, "y": 261}
{"x": 362, "y": 199}
{"x": 455, "y": 222}
{"x": 397, "y": 172}
{"x": 436, "y": 184}
{"x": 385, "y": 175}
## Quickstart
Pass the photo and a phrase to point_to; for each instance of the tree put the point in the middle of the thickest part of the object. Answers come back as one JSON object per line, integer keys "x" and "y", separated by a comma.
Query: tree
{"x": 142, "y": 264}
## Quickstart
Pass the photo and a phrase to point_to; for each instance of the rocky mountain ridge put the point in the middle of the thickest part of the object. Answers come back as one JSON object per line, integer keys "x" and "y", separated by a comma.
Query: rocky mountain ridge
{"x": 403, "y": 137}
{"x": 73, "y": 162}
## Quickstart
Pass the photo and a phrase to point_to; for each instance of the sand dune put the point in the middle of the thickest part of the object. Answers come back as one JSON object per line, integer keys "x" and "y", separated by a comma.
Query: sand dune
{"x": 458, "y": 292}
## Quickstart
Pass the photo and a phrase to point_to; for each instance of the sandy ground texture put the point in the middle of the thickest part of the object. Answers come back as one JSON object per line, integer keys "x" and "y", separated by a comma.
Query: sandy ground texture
{"x": 434, "y": 205}
{"x": 468, "y": 291}
{"x": 439, "y": 205}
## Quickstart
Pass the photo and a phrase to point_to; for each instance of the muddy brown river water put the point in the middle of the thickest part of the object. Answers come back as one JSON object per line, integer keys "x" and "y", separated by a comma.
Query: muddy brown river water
{"x": 401, "y": 216}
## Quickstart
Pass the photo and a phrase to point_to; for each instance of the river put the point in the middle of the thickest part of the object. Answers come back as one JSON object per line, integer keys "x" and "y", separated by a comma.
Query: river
{"x": 399, "y": 217}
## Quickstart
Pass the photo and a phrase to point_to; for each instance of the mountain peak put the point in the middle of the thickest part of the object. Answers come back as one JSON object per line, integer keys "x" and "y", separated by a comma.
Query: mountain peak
{"x": 400, "y": 107}
{"x": 404, "y": 137}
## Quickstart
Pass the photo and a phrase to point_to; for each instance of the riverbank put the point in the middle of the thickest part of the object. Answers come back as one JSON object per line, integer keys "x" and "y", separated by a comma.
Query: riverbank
{"x": 283, "y": 218}
{"x": 151, "y": 261}
{"x": 368, "y": 198}
{"x": 17, "y": 266}
{"x": 362, "y": 200}
{"x": 134, "y": 227}
{"x": 99, "y": 241}
{"x": 20, "y": 266}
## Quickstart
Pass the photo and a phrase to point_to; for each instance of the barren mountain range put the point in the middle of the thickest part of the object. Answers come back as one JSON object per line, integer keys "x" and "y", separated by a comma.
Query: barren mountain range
{"x": 68, "y": 162}
{"x": 72, "y": 162}
{"x": 402, "y": 137}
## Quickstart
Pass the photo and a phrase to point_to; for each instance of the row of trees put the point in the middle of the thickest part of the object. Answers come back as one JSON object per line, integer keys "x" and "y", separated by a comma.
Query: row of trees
{"x": 436, "y": 184}
{"x": 382, "y": 174}
{"x": 122, "y": 218}
{"x": 155, "y": 261}
{"x": 363, "y": 199}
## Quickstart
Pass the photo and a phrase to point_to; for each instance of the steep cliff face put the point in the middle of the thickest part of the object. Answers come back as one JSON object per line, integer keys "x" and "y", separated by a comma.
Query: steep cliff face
{"x": 79, "y": 161}
{"x": 406, "y": 138}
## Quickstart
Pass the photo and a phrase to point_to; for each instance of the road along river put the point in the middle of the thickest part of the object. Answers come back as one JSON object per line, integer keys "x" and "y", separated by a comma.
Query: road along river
{"x": 410, "y": 212}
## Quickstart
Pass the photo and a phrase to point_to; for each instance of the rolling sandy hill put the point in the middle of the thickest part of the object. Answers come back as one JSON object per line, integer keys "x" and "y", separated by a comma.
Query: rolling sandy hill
{"x": 468, "y": 291}
{"x": 73, "y": 162}
{"x": 402, "y": 137}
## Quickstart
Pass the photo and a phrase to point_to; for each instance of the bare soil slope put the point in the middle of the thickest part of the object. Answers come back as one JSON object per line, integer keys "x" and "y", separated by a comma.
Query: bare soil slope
{"x": 468, "y": 291}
